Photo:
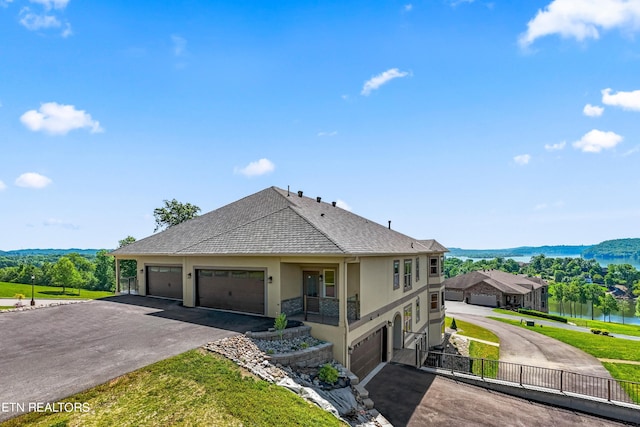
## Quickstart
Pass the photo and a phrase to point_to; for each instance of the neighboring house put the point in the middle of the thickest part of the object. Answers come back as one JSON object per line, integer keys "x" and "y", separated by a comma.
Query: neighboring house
{"x": 496, "y": 288}
{"x": 360, "y": 285}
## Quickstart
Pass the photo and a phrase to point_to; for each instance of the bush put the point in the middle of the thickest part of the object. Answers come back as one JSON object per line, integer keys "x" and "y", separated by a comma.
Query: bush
{"x": 328, "y": 374}
{"x": 453, "y": 324}
{"x": 543, "y": 315}
{"x": 280, "y": 324}
{"x": 596, "y": 331}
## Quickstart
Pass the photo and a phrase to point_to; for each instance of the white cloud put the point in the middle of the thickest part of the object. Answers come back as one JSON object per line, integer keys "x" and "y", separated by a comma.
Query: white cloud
{"x": 53, "y": 222}
{"x": 555, "y": 147}
{"x": 597, "y": 140}
{"x": 3, "y": 186}
{"x": 540, "y": 206}
{"x": 67, "y": 31}
{"x": 455, "y": 3}
{"x": 334, "y": 133}
{"x": 592, "y": 110}
{"x": 408, "y": 7}
{"x": 375, "y": 82}
{"x": 59, "y": 119}
{"x": 582, "y": 19}
{"x": 33, "y": 21}
{"x": 259, "y": 167}
{"x": 179, "y": 45}
{"x": 343, "y": 205}
{"x": 51, "y": 4}
{"x": 5, "y": 3}
{"x": 626, "y": 100}
{"x": 32, "y": 180}
{"x": 634, "y": 150}
{"x": 522, "y": 159}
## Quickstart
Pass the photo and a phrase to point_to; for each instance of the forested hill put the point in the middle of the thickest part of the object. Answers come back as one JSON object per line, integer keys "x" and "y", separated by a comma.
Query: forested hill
{"x": 550, "y": 251}
{"x": 23, "y": 252}
{"x": 618, "y": 248}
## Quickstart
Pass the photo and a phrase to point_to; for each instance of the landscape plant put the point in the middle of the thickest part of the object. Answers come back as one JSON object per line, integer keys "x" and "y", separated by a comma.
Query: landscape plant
{"x": 328, "y": 374}
{"x": 280, "y": 324}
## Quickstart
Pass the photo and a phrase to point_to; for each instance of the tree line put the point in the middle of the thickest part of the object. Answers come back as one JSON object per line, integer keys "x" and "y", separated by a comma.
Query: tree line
{"x": 84, "y": 270}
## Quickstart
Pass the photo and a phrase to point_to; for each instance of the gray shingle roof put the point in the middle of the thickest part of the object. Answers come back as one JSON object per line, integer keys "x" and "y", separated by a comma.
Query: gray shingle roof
{"x": 272, "y": 221}
{"x": 503, "y": 281}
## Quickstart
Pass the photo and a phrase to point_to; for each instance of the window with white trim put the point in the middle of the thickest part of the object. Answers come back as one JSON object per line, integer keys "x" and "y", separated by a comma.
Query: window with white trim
{"x": 417, "y": 269}
{"x": 434, "y": 301}
{"x": 433, "y": 266}
{"x": 417, "y": 309}
{"x": 329, "y": 283}
{"x": 407, "y": 318}
{"x": 396, "y": 274}
{"x": 407, "y": 274}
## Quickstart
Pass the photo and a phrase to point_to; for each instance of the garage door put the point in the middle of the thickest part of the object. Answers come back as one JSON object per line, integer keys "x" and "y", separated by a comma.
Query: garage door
{"x": 453, "y": 295}
{"x": 368, "y": 353}
{"x": 236, "y": 290}
{"x": 487, "y": 300}
{"x": 164, "y": 281}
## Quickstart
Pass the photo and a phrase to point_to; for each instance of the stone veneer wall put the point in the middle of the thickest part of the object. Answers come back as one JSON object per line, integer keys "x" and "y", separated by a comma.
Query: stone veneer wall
{"x": 287, "y": 334}
{"x": 309, "y": 357}
{"x": 292, "y": 306}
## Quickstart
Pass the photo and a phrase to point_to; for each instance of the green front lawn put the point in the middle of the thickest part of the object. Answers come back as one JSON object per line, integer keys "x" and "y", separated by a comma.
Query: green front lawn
{"x": 9, "y": 290}
{"x": 196, "y": 388}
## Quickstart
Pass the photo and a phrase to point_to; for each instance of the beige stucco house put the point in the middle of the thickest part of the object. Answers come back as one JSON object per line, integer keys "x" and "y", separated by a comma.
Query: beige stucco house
{"x": 495, "y": 288}
{"x": 362, "y": 286}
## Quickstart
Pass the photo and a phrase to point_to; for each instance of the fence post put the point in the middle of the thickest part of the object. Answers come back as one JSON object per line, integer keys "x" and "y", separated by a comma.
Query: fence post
{"x": 561, "y": 372}
{"x": 609, "y": 390}
{"x": 482, "y": 366}
{"x": 521, "y": 374}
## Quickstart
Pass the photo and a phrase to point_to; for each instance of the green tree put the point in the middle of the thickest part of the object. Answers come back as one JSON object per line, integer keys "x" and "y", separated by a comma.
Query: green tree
{"x": 572, "y": 295}
{"x": 593, "y": 293}
{"x": 559, "y": 293}
{"x": 173, "y": 213}
{"x": 623, "y": 306}
{"x": 65, "y": 274}
{"x": 128, "y": 267}
{"x": 608, "y": 304}
{"x": 105, "y": 271}
{"x": 86, "y": 269}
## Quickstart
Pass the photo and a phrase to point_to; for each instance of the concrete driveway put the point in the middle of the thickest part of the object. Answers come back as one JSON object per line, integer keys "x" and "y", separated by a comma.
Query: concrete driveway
{"x": 50, "y": 353}
{"x": 410, "y": 397}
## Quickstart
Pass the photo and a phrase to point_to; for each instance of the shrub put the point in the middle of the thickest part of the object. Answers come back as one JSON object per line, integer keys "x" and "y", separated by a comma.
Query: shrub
{"x": 596, "y": 331}
{"x": 280, "y": 324}
{"x": 543, "y": 315}
{"x": 328, "y": 374}
{"x": 453, "y": 324}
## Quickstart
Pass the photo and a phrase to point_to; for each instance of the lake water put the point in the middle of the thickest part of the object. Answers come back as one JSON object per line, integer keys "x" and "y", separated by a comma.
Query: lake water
{"x": 602, "y": 261}
{"x": 585, "y": 309}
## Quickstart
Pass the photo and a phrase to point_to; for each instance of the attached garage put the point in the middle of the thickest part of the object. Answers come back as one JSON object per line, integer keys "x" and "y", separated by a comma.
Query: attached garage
{"x": 235, "y": 290}
{"x": 453, "y": 295}
{"x": 487, "y": 300}
{"x": 164, "y": 281}
{"x": 368, "y": 353}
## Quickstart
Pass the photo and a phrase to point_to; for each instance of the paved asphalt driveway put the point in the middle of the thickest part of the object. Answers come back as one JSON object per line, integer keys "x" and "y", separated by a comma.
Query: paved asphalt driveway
{"x": 410, "y": 397}
{"x": 50, "y": 353}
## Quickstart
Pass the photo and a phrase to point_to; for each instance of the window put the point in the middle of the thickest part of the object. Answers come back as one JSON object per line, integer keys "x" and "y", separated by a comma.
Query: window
{"x": 407, "y": 318}
{"x": 441, "y": 265}
{"x": 433, "y": 266}
{"x": 396, "y": 274}
{"x": 442, "y": 299}
{"x": 407, "y": 274}
{"x": 329, "y": 283}
{"x": 417, "y": 269}
{"x": 434, "y": 301}
{"x": 417, "y": 309}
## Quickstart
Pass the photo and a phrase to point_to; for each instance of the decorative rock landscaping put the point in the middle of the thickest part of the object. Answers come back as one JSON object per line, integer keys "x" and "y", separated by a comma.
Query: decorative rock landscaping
{"x": 300, "y": 372}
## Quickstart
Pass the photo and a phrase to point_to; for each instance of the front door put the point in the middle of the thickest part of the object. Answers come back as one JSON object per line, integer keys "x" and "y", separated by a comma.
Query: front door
{"x": 311, "y": 289}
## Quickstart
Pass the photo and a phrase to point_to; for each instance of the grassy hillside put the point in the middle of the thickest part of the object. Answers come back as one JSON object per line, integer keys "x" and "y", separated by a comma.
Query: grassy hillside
{"x": 618, "y": 248}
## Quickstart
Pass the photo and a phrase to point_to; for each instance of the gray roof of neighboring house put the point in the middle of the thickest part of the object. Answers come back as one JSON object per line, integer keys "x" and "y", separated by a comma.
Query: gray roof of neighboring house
{"x": 508, "y": 283}
{"x": 276, "y": 221}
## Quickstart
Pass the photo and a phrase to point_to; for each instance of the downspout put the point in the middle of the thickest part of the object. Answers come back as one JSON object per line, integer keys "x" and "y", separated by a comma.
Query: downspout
{"x": 344, "y": 310}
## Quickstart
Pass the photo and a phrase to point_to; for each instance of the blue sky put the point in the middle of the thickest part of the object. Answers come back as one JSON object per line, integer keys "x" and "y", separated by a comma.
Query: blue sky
{"x": 481, "y": 124}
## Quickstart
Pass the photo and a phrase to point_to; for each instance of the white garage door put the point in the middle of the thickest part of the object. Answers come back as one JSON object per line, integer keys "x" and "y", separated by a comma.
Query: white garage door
{"x": 488, "y": 300}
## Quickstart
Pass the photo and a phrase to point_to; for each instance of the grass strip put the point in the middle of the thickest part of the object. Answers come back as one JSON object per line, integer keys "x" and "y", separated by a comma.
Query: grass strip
{"x": 192, "y": 389}
{"x": 9, "y": 290}
{"x": 490, "y": 353}
{"x": 473, "y": 331}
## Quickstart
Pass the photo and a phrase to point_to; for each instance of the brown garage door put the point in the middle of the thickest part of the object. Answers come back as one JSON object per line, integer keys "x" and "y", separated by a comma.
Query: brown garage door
{"x": 164, "y": 281}
{"x": 368, "y": 353}
{"x": 236, "y": 290}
